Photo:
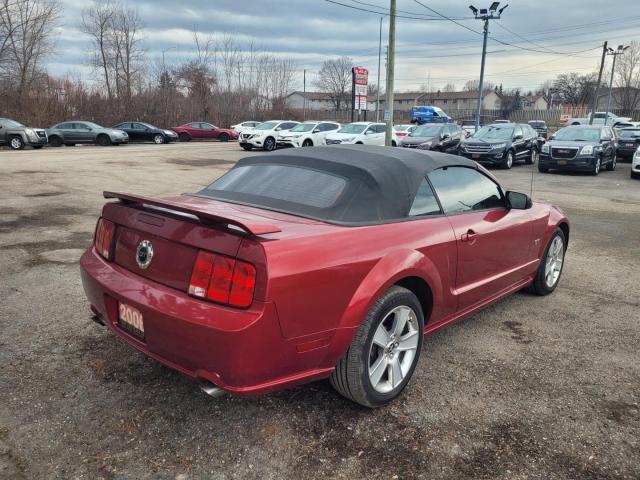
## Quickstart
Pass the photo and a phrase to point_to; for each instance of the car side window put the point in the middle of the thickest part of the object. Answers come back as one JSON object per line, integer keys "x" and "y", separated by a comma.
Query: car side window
{"x": 65, "y": 126}
{"x": 80, "y": 126}
{"x": 379, "y": 128}
{"x": 425, "y": 202}
{"x": 463, "y": 189}
{"x": 194, "y": 125}
{"x": 137, "y": 126}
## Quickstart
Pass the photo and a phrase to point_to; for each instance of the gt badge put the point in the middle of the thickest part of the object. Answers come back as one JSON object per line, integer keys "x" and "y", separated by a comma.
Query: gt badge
{"x": 144, "y": 254}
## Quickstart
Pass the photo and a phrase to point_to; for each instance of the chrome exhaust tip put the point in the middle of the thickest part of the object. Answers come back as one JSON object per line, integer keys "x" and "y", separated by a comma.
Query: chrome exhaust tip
{"x": 210, "y": 389}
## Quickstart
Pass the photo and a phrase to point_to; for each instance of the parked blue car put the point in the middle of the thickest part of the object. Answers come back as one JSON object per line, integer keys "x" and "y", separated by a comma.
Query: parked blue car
{"x": 422, "y": 114}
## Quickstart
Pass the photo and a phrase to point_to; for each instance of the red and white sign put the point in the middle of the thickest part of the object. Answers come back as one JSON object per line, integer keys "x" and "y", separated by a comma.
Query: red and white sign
{"x": 360, "y": 83}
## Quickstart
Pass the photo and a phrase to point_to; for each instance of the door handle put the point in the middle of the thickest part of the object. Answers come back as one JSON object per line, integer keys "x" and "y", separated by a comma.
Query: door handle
{"x": 470, "y": 236}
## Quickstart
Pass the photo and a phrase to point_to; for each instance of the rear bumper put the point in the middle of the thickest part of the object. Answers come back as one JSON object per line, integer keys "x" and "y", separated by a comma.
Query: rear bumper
{"x": 577, "y": 163}
{"x": 241, "y": 351}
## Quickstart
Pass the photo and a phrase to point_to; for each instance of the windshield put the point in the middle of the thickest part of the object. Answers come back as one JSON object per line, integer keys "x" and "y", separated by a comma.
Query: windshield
{"x": 430, "y": 131}
{"x": 303, "y": 127}
{"x": 494, "y": 132}
{"x": 353, "y": 128}
{"x": 629, "y": 133}
{"x": 266, "y": 126}
{"x": 578, "y": 134}
{"x": 11, "y": 123}
{"x": 537, "y": 124}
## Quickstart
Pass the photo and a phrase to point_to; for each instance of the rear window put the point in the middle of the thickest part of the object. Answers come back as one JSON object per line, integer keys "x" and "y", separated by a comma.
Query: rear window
{"x": 291, "y": 184}
{"x": 629, "y": 133}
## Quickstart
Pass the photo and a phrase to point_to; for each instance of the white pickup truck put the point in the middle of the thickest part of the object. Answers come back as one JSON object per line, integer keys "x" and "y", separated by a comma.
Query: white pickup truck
{"x": 598, "y": 119}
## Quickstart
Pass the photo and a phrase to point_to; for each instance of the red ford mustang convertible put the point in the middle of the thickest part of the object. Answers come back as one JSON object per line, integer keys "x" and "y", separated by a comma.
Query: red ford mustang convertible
{"x": 331, "y": 262}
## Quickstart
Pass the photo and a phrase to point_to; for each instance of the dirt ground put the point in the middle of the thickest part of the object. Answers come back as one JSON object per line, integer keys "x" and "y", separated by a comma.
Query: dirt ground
{"x": 535, "y": 388}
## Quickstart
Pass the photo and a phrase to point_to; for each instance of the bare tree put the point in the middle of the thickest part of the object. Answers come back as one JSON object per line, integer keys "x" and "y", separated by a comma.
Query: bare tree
{"x": 334, "y": 78}
{"x": 627, "y": 78}
{"x": 126, "y": 27}
{"x": 574, "y": 88}
{"x": 449, "y": 87}
{"x": 473, "y": 85}
{"x": 97, "y": 22}
{"x": 26, "y": 38}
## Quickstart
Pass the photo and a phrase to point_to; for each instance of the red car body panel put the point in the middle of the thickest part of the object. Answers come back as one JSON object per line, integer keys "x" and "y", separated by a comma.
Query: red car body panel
{"x": 315, "y": 281}
{"x": 205, "y": 133}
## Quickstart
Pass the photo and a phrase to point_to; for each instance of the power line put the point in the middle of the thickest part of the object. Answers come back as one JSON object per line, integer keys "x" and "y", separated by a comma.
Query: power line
{"x": 381, "y": 13}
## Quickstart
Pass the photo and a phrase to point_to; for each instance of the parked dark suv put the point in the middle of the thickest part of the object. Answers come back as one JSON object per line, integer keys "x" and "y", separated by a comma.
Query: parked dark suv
{"x": 16, "y": 135}
{"x": 501, "y": 144}
{"x": 539, "y": 126}
{"x": 580, "y": 148}
{"x": 628, "y": 142}
{"x": 438, "y": 137}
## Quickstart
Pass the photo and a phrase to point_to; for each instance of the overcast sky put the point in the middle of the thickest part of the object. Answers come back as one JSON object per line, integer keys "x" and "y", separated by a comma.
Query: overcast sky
{"x": 432, "y": 52}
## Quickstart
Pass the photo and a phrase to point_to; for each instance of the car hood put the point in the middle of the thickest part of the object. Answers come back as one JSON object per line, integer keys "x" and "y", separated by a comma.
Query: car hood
{"x": 340, "y": 136}
{"x": 409, "y": 140}
{"x": 571, "y": 144}
{"x": 491, "y": 141}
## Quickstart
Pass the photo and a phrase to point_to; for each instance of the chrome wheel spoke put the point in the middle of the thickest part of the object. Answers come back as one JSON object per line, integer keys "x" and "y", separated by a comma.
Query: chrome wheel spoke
{"x": 381, "y": 337}
{"x": 377, "y": 369}
{"x": 400, "y": 321}
{"x": 408, "y": 342}
{"x": 396, "y": 372}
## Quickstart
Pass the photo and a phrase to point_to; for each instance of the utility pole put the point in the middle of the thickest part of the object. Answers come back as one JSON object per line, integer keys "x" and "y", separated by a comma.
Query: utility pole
{"x": 379, "y": 59}
{"x": 610, "y": 51}
{"x": 594, "y": 105}
{"x": 304, "y": 94}
{"x": 391, "y": 56}
{"x": 484, "y": 14}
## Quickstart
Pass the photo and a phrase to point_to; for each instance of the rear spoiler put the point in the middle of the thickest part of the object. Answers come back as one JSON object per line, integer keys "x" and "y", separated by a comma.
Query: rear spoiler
{"x": 202, "y": 215}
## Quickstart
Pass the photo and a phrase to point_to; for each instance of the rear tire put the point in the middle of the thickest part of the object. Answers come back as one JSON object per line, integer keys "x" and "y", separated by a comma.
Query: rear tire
{"x": 16, "y": 143}
{"x": 549, "y": 269}
{"x": 384, "y": 351}
{"x": 103, "y": 140}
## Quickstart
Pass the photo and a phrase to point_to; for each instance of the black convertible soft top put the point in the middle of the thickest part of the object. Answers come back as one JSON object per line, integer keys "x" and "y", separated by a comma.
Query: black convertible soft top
{"x": 346, "y": 184}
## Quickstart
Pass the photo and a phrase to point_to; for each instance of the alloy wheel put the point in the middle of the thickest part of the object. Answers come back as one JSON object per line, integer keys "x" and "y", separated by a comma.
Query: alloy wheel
{"x": 158, "y": 139}
{"x": 554, "y": 261}
{"x": 509, "y": 162}
{"x": 16, "y": 143}
{"x": 393, "y": 349}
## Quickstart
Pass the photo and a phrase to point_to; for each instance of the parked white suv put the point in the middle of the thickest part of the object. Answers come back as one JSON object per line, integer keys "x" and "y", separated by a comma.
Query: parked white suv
{"x": 307, "y": 134}
{"x": 361, "y": 133}
{"x": 243, "y": 126}
{"x": 264, "y": 135}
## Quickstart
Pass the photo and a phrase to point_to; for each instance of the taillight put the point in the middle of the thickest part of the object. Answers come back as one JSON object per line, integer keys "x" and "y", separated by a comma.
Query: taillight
{"x": 223, "y": 280}
{"x": 104, "y": 237}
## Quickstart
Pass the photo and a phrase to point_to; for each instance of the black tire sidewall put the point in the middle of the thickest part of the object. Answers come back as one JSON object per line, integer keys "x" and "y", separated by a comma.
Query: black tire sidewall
{"x": 379, "y": 312}
{"x": 224, "y": 137}
{"x": 269, "y": 141}
{"x": 540, "y": 285}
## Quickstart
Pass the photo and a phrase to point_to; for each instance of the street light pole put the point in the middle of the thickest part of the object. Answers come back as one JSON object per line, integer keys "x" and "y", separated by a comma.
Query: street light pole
{"x": 390, "y": 73}
{"x": 619, "y": 51}
{"x": 484, "y": 14}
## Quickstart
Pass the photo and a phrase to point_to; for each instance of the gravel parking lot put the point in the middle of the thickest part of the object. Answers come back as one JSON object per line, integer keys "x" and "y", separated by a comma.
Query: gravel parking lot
{"x": 532, "y": 387}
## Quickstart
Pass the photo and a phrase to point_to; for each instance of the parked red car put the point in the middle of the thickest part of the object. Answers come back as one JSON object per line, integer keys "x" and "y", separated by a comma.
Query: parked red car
{"x": 204, "y": 131}
{"x": 329, "y": 262}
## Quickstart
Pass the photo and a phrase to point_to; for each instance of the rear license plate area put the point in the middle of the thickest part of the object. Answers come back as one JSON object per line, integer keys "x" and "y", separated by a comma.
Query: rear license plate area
{"x": 130, "y": 320}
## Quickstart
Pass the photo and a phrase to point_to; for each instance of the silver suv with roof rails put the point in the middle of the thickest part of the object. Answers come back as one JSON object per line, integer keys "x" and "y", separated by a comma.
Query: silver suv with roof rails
{"x": 17, "y": 136}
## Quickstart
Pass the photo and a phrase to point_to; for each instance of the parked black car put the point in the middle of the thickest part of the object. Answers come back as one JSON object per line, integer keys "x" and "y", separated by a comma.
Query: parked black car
{"x": 501, "y": 144}
{"x": 437, "y": 137}
{"x": 17, "y": 136}
{"x": 580, "y": 148}
{"x": 144, "y": 132}
{"x": 539, "y": 126}
{"x": 628, "y": 142}
{"x": 70, "y": 133}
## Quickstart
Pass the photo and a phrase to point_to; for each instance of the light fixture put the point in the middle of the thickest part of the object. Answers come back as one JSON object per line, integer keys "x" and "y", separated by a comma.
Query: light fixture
{"x": 473, "y": 9}
{"x": 502, "y": 9}
{"x": 494, "y": 6}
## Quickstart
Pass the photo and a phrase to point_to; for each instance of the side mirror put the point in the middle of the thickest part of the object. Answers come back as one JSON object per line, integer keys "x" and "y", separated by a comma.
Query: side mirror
{"x": 445, "y": 136}
{"x": 517, "y": 137}
{"x": 316, "y": 130}
{"x": 552, "y": 137}
{"x": 519, "y": 201}
{"x": 368, "y": 132}
{"x": 278, "y": 129}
